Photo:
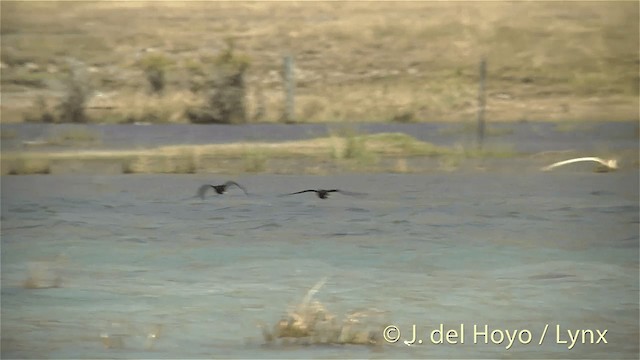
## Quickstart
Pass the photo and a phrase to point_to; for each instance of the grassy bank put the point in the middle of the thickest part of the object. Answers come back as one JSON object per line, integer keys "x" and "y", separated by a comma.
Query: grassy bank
{"x": 390, "y": 152}
{"x": 370, "y": 61}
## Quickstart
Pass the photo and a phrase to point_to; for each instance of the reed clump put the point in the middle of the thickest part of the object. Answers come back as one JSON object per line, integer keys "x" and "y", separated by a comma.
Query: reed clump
{"x": 44, "y": 274}
{"x": 25, "y": 165}
{"x": 310, "y": 323}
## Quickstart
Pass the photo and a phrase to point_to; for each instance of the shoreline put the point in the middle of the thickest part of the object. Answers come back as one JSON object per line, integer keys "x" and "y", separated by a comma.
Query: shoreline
{"x": 372, "y": 153}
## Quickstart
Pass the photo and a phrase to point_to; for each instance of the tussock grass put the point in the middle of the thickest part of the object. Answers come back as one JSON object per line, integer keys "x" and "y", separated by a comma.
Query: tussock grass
{"x": 25, "y": 165}
{"x": 45, "y": 274}
{"x": 408, "y": 61}
{"x": 309, "y": 322}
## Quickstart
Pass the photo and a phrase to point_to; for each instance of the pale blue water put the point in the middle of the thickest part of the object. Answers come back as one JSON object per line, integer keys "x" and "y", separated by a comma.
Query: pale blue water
{"x": 513, "y": 250}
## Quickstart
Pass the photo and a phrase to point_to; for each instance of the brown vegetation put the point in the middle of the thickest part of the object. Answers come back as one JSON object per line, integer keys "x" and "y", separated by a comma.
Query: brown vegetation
{"x": 373, "y": 61}
{"x": 309, "y": 322}
{"x": 339, "y": 152}
{"x": 45, "y": 274}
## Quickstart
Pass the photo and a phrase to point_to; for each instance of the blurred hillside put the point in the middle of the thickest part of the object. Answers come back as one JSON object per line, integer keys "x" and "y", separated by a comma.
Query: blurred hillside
{"x": 360, "y": 61}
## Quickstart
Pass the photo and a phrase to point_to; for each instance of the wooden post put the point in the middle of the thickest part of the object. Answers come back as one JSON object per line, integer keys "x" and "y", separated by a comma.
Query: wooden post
{"x": 289, "y": 88}
{"x": 481, "y": 102}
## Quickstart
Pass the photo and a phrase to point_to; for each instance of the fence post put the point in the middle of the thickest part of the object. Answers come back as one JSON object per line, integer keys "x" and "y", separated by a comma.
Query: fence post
{"x": 481, "y": 102}
{"x": 289, "y": 88}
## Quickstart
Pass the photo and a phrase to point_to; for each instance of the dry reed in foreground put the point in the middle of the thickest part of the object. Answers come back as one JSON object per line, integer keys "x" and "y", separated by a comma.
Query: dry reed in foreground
{"x": 310, "y": 323}
{"x": 45, "y": 273}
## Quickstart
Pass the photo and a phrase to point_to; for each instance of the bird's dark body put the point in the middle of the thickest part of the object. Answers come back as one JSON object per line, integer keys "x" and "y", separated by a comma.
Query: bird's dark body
{"x": 219, "y": 189}
{"x": 323, "y": 194}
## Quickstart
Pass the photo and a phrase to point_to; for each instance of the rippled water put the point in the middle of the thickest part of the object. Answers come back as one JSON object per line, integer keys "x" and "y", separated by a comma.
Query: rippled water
{"x": 513, "y": 251}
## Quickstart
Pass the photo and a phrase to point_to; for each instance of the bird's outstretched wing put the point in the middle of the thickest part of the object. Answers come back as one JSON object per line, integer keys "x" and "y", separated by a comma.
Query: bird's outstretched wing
{"x": 298, "y": 192}
{"x": 202, "y": 190}
{"x": 610, "y": 164}
{"x": 350, "y": 193}
{"x": 228, "y": 183}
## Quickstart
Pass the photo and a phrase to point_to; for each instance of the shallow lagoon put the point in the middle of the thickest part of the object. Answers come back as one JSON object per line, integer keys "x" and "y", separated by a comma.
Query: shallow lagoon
{"x": 513, "y": 250}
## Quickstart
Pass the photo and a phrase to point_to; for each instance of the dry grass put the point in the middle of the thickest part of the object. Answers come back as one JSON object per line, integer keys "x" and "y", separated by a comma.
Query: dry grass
{"x": 309, "y": 322}
{"x": 372, "y": 61}
{"x": 400, "y": 166}
{"x": 20, "y": 164}
{"x": 351, "y": 152}
{"x": 45, "y": 274}
{"x": 142, "y": 107}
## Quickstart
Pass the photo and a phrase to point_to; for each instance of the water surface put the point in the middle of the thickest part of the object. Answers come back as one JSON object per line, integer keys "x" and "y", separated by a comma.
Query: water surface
{"x": 512, "y": 250}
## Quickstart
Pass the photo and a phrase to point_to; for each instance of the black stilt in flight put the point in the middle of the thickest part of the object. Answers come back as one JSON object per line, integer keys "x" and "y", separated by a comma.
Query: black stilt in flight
{"x": 323, "y": 194}
{"x": 220, "y": 189}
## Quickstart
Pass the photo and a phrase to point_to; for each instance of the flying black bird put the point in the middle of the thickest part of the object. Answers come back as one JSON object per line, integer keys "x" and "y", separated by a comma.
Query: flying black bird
{"x": 220, "y": 189}
{"x": 323, "y": 194}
